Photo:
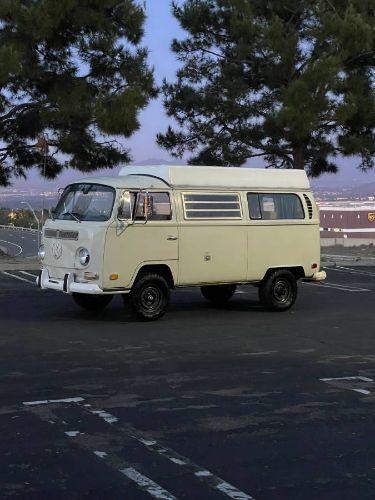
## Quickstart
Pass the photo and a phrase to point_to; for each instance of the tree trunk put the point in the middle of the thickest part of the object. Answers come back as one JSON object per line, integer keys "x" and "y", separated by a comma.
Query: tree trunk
{"x": 299, "y": 157}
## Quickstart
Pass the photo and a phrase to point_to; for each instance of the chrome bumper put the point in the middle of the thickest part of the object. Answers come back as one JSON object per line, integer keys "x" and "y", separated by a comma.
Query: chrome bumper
{"x": 318, "y": 276}
{"x": 66, "y": 285}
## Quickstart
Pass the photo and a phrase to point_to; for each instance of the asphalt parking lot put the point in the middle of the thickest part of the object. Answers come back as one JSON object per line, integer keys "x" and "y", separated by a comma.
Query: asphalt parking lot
{"x": 206, "y": 403}
{"x": 18, "y": 243}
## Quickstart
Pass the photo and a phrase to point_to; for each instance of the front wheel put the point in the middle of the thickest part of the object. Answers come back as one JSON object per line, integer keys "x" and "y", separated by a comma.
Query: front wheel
{"x": 149, "y": 297}
{"x": 278, "y": 291}
{"x": 93, "y": 303}
{"x": 218, "y": 294}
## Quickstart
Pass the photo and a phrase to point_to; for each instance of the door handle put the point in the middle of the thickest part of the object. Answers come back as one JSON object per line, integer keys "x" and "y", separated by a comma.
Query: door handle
{"x": 172, "y": 238}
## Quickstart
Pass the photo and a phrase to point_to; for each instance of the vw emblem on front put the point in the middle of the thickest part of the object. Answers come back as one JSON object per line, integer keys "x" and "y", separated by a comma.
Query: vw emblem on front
{"x": 56, "y": 249}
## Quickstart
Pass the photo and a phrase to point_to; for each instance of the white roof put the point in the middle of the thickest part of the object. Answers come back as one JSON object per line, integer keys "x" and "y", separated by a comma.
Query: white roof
{"x": 186, "y": 176}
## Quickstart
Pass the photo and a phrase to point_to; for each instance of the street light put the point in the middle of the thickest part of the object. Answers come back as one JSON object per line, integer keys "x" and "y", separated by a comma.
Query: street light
{"x": 35, "y": 217}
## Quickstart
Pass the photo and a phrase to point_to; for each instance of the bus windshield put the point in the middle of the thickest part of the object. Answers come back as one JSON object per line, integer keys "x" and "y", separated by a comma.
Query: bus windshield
{"x": 85, "y": 202}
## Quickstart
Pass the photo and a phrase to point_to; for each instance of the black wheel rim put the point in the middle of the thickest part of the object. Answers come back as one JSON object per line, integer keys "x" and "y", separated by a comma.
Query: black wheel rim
{"x": 282, "y": 291}
{"x": 150, "y": 298}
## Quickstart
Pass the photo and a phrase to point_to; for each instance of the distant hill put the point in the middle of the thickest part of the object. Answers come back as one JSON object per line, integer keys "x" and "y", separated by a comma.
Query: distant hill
{"x": 159, "y": 161}
{"x": 362, "y": 190}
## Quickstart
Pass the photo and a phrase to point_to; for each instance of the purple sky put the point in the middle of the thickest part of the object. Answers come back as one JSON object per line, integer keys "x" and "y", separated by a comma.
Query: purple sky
{"x": 160, "y": 29}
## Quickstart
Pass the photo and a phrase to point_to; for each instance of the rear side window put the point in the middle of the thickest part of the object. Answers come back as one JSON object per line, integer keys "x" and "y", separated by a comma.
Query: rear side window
{"x": 212, "y": 206}
{"x": 275, "y": 206}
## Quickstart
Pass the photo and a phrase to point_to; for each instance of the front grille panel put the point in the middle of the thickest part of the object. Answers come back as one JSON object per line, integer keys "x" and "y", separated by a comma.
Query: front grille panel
{"x": 309, "y": 205}
{"x": 61, "y": 234}
{"x": 50, "y": 233}
{"x": 68, "y": 235}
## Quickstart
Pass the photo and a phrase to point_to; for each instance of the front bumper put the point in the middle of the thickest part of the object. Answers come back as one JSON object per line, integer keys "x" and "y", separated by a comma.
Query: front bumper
{"x": 68, "y": 284}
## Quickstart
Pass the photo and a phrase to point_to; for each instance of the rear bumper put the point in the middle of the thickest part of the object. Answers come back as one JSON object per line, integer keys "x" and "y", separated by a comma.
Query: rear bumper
{"x": 318, "y": 276}
{"x": 68, "y": 284}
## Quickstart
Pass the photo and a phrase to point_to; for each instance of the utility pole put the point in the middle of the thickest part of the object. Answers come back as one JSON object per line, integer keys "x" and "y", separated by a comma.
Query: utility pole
{"x": 35, "y": 217}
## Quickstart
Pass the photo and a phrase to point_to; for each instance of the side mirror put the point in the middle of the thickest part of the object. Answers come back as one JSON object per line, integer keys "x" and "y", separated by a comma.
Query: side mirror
{"x": 125, "y": 209}
{"x": 148, "y": 208}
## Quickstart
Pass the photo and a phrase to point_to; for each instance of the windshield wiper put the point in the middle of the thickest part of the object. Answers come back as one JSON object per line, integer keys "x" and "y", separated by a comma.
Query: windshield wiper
{"x": 72, "y": 215}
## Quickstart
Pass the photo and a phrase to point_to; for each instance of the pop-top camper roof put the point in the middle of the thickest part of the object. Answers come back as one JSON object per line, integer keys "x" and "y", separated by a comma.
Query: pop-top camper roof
{"x": 186, "y": 176}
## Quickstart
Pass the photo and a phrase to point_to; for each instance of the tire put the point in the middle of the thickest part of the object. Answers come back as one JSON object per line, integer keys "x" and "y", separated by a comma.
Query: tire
{"x": 93, "y": 303}
{"x": 149, "y": 297}
{"x": 278, "y": 291}
{"x": 218, "y": 294}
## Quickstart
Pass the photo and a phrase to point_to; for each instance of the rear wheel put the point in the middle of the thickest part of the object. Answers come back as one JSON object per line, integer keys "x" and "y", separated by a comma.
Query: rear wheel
{"x": 218, "y": 294}
{"x": 93, "y": 303}
{"x": 149, "y": 297}
{"x": 278, "y": 291}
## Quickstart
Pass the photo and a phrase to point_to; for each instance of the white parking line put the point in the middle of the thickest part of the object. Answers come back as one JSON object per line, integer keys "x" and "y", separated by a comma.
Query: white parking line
{"x": 364, "y": 379}
{"x": 338, "y": 286}
{"x": 147, "y": 484}
{"x": 349, "y": 270}
{"x": 28, "y": 274}
{"x": 18, "y": 277}
{"x": 366, "y": 392}
{"x": 51, "y": 401}
{"x": 204, "y": 475}
{"x": 346, "y": 288}
{"x": 14, "y": 244}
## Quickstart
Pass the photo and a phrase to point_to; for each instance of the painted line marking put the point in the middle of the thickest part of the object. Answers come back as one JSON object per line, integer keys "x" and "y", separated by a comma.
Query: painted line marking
{"x": 108, "y": 417}
{"x": 362, "y": 391}
{"x": 364, "y": 379}
{"x": 366, "y": 392}
{"x": 231, "y": 492}
{"x": 203, "y": 474}
{"x": 147, "y": 484}
{"x": 28, "y": 274}
{"x": 18, "y": 277}
{"x": 14, "y": 244}
{"x": 338, "y": 286}
{"x": 152, "y": 445}
{"x": 349, "y": 270}
{"x": 72, "y": 433}
{"x": 51, "y": 401}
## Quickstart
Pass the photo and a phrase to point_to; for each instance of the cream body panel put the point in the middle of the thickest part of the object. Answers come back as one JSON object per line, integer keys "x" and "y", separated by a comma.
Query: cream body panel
{"x": 281, "y": 245}
{"x": 212, "y": 252}
{"x": 127, "y": 250}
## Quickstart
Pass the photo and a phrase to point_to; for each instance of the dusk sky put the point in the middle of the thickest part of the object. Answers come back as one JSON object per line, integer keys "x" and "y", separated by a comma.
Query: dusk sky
{"x": 160, "y": 29}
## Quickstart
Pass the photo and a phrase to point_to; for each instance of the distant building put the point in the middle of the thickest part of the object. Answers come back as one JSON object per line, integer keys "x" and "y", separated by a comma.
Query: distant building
{"x": 343, "y": 221}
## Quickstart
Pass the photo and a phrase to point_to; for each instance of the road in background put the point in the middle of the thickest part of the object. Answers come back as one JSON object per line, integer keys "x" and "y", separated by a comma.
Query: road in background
{"x": 206, "y": 403}
{"x": 17, "y": 243}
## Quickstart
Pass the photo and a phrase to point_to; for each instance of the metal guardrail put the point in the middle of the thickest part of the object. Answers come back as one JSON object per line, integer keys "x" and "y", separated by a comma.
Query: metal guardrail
{"x": 19, "y": 228}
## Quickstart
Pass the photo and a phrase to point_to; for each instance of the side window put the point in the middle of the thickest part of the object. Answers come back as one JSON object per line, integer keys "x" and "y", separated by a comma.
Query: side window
{"x": 254, "y": 206}
{"x": 156, "y": 205}
{"x": 212, "y": 206}
{"x": 275, "y": 206}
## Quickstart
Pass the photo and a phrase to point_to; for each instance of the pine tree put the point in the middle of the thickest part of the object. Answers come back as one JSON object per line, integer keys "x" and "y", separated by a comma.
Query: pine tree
{"x": 72, "y": 72}
{"x": 291, "y": 81}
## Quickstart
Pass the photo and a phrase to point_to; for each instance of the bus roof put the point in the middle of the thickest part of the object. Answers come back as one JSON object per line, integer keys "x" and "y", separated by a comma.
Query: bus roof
{"x": 186, "y": 176}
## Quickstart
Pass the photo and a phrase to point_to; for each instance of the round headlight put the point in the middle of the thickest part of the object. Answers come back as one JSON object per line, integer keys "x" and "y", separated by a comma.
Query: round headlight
{"x": 83, "y": 256}
{"x": 41, "y": 252}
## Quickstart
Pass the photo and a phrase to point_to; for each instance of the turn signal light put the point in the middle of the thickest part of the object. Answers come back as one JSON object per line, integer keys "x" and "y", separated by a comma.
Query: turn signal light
{"x": 113, "y": 277}
{"x": 314, "y": 266}
{"x": 90, "y": 276}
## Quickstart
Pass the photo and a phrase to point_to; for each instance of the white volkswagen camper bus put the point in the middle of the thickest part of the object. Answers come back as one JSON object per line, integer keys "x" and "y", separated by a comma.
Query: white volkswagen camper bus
{"x": 152, "y": 229}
